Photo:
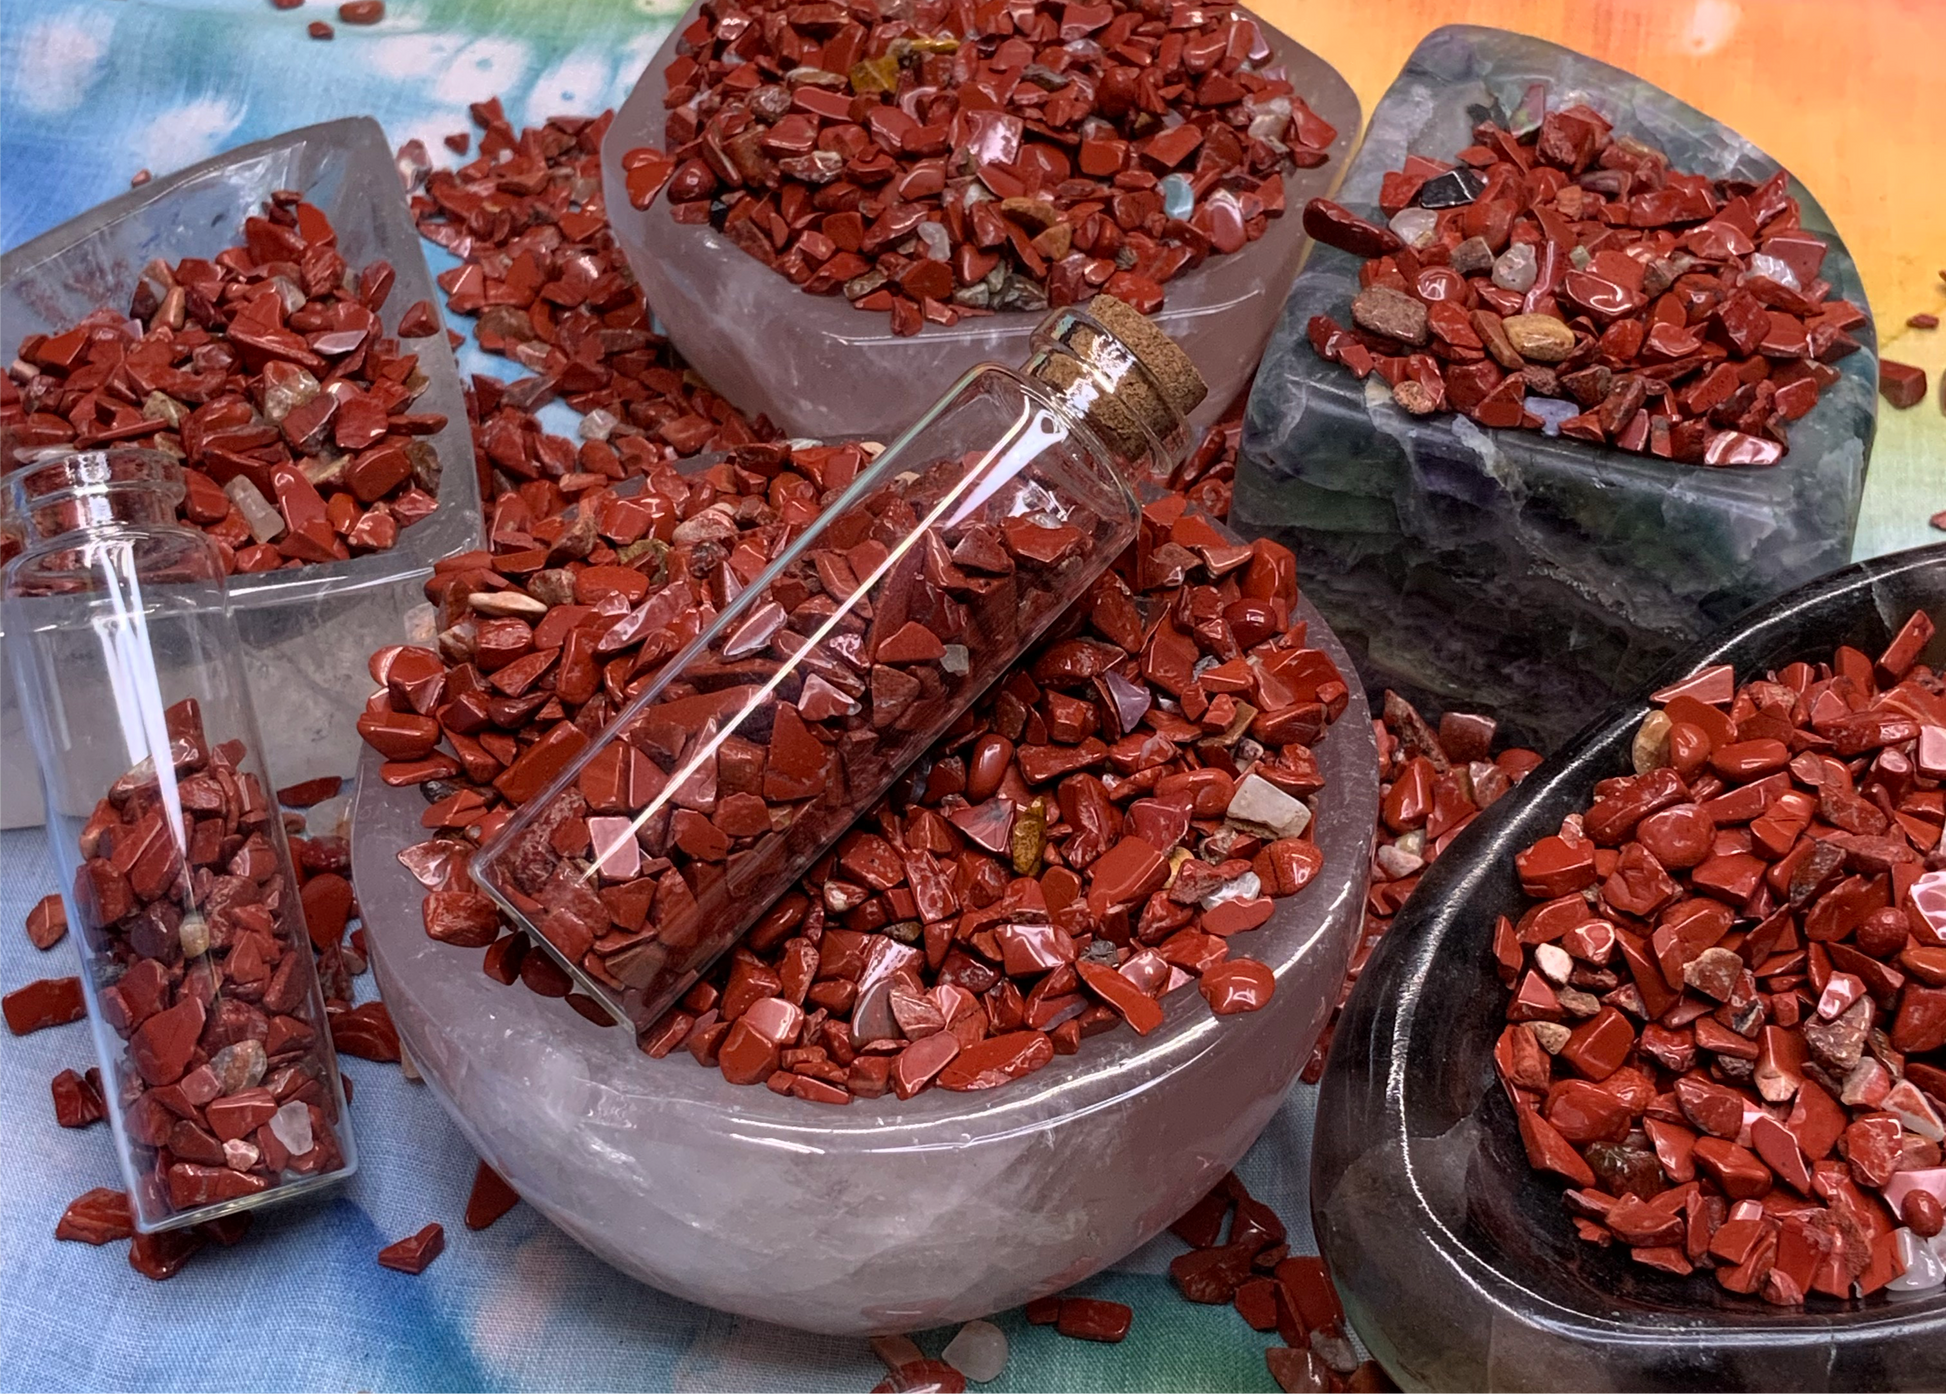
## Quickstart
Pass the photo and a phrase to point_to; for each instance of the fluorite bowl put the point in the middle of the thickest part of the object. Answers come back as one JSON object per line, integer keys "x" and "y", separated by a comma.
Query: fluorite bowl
{"x": 1455, "y": 1260}
{"x": 881, "y": 1216}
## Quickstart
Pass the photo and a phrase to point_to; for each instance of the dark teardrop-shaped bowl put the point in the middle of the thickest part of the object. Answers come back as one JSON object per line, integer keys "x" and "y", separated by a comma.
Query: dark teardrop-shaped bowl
{"x": 1455, "y": 1260}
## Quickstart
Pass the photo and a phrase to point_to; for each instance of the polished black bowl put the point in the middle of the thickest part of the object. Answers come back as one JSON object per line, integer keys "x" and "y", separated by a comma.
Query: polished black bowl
{"x": 1455, "y": 1260}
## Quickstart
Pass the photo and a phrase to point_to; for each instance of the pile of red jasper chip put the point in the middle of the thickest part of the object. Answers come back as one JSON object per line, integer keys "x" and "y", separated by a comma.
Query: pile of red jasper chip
{"x": 265, "y": 371}
{"x": 840, "y": 710}
{"x": 226, "y": 1092}
{"x": 1756, "y": 1087}
{"x": 967, "y": 158}
{"x": 1432, "y": 783}
{"x": 1238, "y": 1255}
{"x": 1002, "y": 821}
{"x": 1561, "y": 277}
{"x": 1207, "y": 476}
{"x": 320, "y": 865}
{"x": 551, "y": 291}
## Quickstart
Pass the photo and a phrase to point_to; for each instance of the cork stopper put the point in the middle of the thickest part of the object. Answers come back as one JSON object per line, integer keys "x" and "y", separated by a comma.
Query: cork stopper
{"x": 1137, "y": 388}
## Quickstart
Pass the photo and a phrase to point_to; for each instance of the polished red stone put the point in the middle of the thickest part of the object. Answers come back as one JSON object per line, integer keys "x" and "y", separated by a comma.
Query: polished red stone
{"x": 78, "y": 1100}
{"x": 1901, "y": 384}
{"x": 489, "y": 1199}
{"x": 416, "y": 1251}
{"x": 47, "y": 922}
{"x": 43, "y": 1003}
{"x": 1093, "y": 1319}
{"x": 98, "y": 1217}
{"x": 1238, "y": 985}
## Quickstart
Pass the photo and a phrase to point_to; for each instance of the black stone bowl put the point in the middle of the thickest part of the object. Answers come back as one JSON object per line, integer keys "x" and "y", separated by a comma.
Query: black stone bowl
{"x": 1456, "y": 1262}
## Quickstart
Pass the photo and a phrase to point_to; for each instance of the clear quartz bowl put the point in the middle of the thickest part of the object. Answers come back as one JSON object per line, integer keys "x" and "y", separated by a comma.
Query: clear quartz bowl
{"x": 879, "y": 1216}
{"x": 308, "y": 631}
{"x": 800, "y": 359}
{"x": 1456, "y": 1261}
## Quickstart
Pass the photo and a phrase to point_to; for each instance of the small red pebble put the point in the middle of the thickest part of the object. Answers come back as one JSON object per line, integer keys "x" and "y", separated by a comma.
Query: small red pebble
{"x": 458, "y": 142}
{"x": 419, "y": 321}
{"x": 415, "y": 1252}
{"x": 98, "y": 1217}
{"x": 286, "y": 4}
{"x": 45, "y": 1002}
{"x": 161, "y": 1256}
{"x": 492, "y": 1197}
{"x": 1922, "y": 1213}
{"x": 140, "y": 177}
{"x": 1238, "y": 985}
{"x": 361, "y": 11}
{"x": 1091, "y": 1319}
{"x": 77, "y": 1099}
{"x": 327, "y": 899}
{"x": 310, "y": 791}
{"x": 47, "y": 922}
{"x": 1938, "y": 520}
{"x": 365, "y": 1031}
{"x": 318, "y": 29}
{"x": 1901, "y": 384}
{"x": 1922, "y": 321}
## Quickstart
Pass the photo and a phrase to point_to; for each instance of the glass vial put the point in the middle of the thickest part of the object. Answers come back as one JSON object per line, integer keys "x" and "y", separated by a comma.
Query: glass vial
{"x": 661, "y": 842}
{"x": 218, "y": 1071}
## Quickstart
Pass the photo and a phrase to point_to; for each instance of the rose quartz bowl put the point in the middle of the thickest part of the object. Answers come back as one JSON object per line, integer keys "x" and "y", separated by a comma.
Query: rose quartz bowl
{"x": 806, "y": 361}
{"x": 880, "y": 1216}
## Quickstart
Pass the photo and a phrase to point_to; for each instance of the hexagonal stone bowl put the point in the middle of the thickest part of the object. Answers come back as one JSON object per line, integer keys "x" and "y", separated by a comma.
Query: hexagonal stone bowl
{"x": 817, "y": 367}
{"x": 880, "y": 1216}
{"x": 1538, "y": 578}
{"x": 1455, "y": 1259}
{"x": 307, "y": 631}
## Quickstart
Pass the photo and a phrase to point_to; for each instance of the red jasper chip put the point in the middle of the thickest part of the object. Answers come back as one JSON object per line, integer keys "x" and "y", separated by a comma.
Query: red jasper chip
{"x": 365, "y": 1031}
{"x": 77, "y": 1098}
{"x": 1739, "y": 1018}
{"x": 1566, "y": 279}
{"x": 310, "y": 791}
{"x": 159, "y": 1257}
{"x": 361, "y": 11}
{"x": 43, "y": 1003}
{"x": 490, "y": 1198}
{"x": 225, "y": 363}
{"x": 862, "y": 186}
{"x": 1901, "y": 384}
{"x": 415, "y": 1252}
{"x": 47, "y": 922}
{"x": 99, "y": 1217}
{"x": 1093, "y": 1319}
{"x": 1240, "y": 985}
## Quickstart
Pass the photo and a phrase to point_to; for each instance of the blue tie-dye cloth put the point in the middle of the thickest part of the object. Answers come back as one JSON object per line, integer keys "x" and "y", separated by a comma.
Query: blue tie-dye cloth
{"x": 90, "y": 92}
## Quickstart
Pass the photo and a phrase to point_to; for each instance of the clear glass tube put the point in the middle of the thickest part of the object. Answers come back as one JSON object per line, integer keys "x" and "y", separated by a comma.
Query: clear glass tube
{"x": 219, "y": 1076}
{"x": 639, "y": 857}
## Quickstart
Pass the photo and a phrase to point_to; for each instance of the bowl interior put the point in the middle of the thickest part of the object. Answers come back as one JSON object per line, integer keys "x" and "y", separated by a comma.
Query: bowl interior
{"x": 1410, "y": 1110}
